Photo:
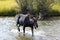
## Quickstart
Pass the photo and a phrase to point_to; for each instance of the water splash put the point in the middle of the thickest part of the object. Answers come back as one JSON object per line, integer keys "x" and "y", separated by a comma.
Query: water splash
{"x": 38, "y": 34}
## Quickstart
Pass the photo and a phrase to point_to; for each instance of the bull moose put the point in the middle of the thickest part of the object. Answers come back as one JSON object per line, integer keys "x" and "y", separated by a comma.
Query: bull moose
{"x": 26, "y": 20}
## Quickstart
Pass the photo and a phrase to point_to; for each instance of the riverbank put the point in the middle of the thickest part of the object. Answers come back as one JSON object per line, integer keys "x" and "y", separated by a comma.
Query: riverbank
{"x": 8, "y": 8}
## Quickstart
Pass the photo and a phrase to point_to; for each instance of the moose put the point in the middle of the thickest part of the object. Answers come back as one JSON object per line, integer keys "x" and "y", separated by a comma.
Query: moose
{"x": 26, "y": 20}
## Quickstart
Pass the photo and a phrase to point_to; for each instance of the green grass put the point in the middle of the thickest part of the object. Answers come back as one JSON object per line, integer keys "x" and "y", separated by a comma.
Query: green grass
{"x": 56, "y": 7}
{"x": 6, "y": 12}
{"x": 7, "y": 7}
{"x": 7, "y": 4}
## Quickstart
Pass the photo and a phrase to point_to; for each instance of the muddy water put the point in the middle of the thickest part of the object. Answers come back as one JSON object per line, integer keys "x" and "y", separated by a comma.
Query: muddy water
{"x": 48, "y": 30}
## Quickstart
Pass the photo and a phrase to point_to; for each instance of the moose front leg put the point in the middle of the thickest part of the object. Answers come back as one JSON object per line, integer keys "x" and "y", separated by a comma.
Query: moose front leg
{"x": 32, "y": 30}
{"x": 24, "y": 31}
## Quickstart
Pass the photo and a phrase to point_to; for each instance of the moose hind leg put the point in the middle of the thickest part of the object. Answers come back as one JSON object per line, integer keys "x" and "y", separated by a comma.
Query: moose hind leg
{"x": 19, "y": 28}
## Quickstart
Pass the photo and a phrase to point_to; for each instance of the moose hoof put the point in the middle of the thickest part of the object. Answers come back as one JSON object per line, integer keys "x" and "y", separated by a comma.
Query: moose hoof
{"x": 18, "y": 29}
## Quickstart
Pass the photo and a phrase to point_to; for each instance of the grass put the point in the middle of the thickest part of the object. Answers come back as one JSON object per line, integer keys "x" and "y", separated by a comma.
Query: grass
{"x": 24, "y": 38}
{"x": 7, "y": 7}
{"x": 7, "y": 4}
{"x": 56, "y": 7}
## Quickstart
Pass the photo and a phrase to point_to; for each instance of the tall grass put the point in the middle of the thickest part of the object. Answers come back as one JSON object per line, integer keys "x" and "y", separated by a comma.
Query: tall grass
{"x": 7, "y": 7}
{"x": 56, "y": 7}
{"x": 54, "y": 10}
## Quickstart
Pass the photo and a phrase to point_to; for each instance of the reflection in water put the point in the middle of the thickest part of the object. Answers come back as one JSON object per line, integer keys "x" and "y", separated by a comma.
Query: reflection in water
{"x": 48, "y": 30}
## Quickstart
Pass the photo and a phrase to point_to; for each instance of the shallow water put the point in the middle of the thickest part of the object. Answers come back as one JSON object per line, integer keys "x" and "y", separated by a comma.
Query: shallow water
{"x": 48, "y": 30}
